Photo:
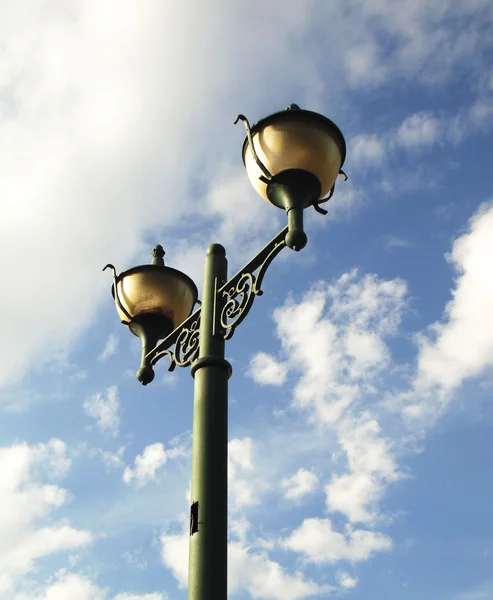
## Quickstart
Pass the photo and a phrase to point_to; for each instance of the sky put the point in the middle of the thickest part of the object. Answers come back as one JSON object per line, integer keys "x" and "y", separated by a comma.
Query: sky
{"x": 360, "y": 409}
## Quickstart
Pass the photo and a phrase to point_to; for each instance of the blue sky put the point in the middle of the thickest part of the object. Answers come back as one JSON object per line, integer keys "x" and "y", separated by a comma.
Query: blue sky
{"x": 360, "y": 405}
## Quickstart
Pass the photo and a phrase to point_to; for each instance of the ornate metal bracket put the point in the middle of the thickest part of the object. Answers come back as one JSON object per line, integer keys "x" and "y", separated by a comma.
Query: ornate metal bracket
{"x": 240, "y": 291}
{"x": 185, "y": 339}
{"x": 236, "y": 297}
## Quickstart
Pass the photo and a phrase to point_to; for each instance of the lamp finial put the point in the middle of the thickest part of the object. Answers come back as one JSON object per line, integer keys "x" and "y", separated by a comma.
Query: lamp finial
{"x": 158, "y": 255}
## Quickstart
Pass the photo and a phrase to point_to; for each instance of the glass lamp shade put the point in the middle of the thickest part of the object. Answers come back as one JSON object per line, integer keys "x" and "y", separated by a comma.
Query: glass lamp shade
{"x": 156, "y": 290}
{"x": 295, "y": 139}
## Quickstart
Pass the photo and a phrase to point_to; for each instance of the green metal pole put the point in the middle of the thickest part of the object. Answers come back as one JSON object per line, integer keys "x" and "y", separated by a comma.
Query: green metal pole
{"x": 207, "y": 575}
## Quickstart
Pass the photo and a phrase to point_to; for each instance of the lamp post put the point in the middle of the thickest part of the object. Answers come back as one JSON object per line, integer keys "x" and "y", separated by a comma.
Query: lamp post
{"x": 292, "y": 158}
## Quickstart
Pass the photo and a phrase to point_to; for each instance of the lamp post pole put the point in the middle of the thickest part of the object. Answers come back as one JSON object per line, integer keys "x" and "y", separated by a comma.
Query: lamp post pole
{"x": 207, "y": 575}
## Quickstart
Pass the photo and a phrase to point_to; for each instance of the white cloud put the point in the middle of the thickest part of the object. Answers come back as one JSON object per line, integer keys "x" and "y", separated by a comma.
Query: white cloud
{"x": 335, "y": 340}
{"x": 265, "y": 578}
{"x": 418, "y": 130}
{"x": 266, "y": 370}
{"x": 110, "y": 347}
{"x": 391, "y": 242}
{"x": 241, "y": 211}
{"x": 242, "y": 484}
{"x": 147, "y": 464}
{"x": 64, "y": 585}
{"x": 366, "y": 149}
{"x": 298, "y": 485}
{"x": 345, "y": 580}
{"x": 460, "y": 346}
{"x": 317, "y": 540}
{"x": 105, "y": 411}
{"x": 151, "y": 596}
{"x": 364, "y": 64}
{"x": 367, "y": 350}
{"x": 53, "y": 456}
{"x": 355, "y": 495}
{"x": 27, "y": 529}
{"x": 366, "y": 449}
{"x": 174, "y": 552}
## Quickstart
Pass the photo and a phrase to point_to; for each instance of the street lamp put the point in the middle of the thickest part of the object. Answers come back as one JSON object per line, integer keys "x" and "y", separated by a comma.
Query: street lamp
{"x": 292, "y": 158}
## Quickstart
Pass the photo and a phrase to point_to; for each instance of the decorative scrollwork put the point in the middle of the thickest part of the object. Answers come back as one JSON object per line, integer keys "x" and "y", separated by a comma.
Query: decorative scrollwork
{"x": 239, "y": 301}
{"x": 186, "y": 344}
{"x": 240, "y": 290}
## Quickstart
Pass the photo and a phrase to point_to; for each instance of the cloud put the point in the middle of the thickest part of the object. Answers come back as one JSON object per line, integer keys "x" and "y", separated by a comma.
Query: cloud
{"x": 393, "y": 242}
{"x": 53, "y": 457}
{"x": 337, "y": 356}
{"x": 264, "y": 578}
{"x": 418, "y": 130}
{"x": 110, "y": 347}
{"x": 351, "y": 494}
{"x": 174, "y": 551}
{"x": 367, "y": 149}
{"x": 105, "y": 412}
{"x": 241, "y": 480}
{"x": 151, "y": 596}
{"x": 316, "y": 539}
{"x": 240, "y": 210}
{"x": 28, "y": 531}
{"x": 462, "y": 346}
{"x": 64, "y": 585}
{"x": 365, "y": 64}
{"x": 345, "y": 580}
{"x": 415, "y": 134}
{"x": 147, "y": 464}
{"x": 298, "y": 485}
{"x": 459, "y": 346}
{"x": 264, "y": 369}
